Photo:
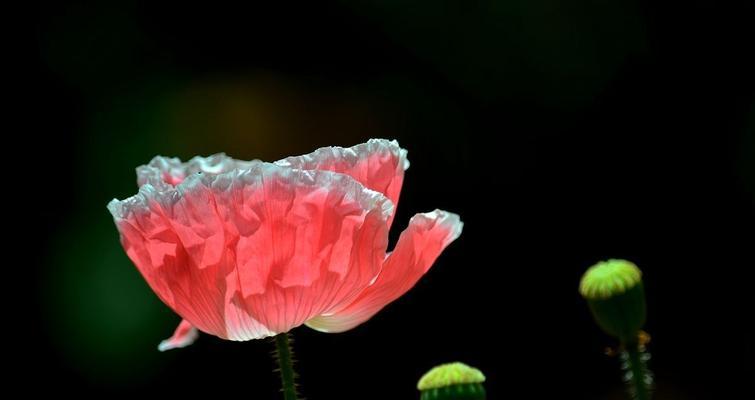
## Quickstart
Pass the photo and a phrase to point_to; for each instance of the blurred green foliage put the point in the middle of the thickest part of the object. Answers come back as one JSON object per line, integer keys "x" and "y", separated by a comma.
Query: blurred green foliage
{"x": 103, "y": 316}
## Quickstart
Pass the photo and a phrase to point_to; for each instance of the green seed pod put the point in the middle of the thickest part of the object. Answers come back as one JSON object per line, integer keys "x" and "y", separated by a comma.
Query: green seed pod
{"x": 614, "y": 292}
{"x": 455, "y": 381}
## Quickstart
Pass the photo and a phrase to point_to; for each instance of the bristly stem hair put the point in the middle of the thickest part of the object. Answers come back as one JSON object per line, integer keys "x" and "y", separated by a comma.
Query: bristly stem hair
{"x": 284, "y": 356}
{"x": 637, "y": 376}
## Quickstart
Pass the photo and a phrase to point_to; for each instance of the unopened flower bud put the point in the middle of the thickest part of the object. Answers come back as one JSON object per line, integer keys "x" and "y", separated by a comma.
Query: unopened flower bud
{"x": 455, "y": 381}
{"x": 614, "y": 292}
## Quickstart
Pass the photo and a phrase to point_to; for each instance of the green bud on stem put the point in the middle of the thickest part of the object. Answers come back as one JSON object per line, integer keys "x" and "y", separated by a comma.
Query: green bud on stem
{"x": 616, "y": 297}
{"x": 453, "y": 381}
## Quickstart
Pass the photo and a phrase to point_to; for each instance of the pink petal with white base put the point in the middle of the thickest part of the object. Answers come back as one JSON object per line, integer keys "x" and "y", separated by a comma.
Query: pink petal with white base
{"x": 417, "y": 248}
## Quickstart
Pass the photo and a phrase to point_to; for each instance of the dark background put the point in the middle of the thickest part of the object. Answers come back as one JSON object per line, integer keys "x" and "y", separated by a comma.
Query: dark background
{"x": 563, "y": 133}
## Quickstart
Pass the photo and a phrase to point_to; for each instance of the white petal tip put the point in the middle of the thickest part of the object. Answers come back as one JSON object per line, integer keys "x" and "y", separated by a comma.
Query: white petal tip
{"x": 447, "y": 219}
{"x": 165, "y": 345}
{"x": 182, "y": 338}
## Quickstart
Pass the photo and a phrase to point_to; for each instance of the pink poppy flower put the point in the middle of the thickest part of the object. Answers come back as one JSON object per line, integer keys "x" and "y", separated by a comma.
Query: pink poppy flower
{"x": 248, "y": 249}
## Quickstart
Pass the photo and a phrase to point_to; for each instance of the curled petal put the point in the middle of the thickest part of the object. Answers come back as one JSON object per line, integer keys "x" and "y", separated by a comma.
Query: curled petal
{"x": 184, "y": 335}
{"x": 379, "y": 165}
{"x": 417, "y": 248}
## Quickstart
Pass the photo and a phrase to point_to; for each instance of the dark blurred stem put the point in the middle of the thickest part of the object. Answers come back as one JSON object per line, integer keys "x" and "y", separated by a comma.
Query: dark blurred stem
{"x": 637, "y": 376}
{"x": 285, "y": 358}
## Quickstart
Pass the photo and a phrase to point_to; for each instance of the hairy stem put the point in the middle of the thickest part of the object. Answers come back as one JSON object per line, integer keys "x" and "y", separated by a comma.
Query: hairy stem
{"x": 637, "y": 376}
{"x": 285, "y": 358}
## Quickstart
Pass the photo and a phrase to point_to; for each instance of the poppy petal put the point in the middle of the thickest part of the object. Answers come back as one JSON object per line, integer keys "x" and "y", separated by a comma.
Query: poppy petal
{"x": 379, "y": 165}
{"x": 417, "y": 248}
{"x": 252, "y": 252}
{"x": 184, "y": 335}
